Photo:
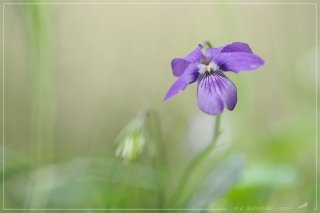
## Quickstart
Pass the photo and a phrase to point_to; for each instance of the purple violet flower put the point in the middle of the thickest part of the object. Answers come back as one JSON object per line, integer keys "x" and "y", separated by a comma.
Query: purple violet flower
{"x": 215, "y": 90}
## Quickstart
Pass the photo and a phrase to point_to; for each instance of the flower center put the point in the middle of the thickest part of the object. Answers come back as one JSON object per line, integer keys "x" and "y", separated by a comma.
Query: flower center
{"x": 211, "y": 66}
{"x": 208, "y": 67}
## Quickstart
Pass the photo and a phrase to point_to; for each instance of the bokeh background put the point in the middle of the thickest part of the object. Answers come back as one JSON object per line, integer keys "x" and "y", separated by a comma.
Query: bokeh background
{"x": 76, "y": 74}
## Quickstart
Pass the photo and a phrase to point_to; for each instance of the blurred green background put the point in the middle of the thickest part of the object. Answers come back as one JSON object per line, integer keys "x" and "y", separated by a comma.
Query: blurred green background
{"x": 76, "y": 74}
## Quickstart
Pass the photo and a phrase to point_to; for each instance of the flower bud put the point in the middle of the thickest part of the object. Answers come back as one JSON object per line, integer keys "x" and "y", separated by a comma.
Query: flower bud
{"x": 133, "y": 140}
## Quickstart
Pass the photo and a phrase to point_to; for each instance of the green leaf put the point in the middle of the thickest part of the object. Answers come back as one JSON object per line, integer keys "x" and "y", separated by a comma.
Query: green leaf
{"x": 218, "y": 182}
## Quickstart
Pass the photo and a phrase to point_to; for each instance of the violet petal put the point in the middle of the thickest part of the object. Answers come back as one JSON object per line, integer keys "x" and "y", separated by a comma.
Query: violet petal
{"x": 188, "y": 77}
{"x": 234, "y": 47}
{"x": 179, "y": 65}
{"x": 212, "y": 52}
{"x": 215, "y": 92}
{"x": 238, "y": 61}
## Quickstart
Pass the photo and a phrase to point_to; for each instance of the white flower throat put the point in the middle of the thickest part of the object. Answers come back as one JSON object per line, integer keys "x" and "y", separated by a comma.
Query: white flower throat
{"x": 208, "y": 67}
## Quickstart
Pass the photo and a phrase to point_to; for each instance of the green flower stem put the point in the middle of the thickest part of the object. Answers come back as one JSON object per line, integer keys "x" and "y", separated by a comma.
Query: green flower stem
{"x": 208, "y": 44}
{"x": 197, "y": 163}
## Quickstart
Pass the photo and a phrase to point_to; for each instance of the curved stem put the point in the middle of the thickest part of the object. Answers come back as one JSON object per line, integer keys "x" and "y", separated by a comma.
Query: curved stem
{"x": 199, "y": 161}
{"x": 208, "y": 44}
